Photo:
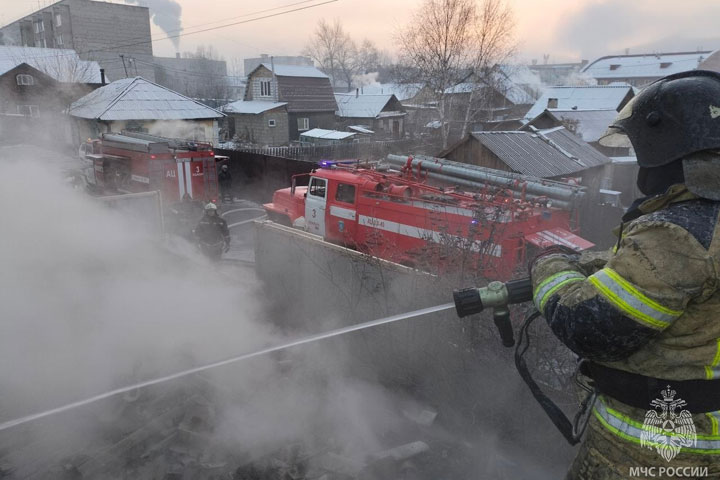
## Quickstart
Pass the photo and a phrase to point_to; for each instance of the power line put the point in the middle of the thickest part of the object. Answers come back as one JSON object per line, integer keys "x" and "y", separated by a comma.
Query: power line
{"x": 143, "y": 42}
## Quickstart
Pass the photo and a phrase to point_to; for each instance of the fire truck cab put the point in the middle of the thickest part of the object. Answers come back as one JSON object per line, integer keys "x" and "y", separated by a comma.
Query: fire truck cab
{"x": 131, "y": 162}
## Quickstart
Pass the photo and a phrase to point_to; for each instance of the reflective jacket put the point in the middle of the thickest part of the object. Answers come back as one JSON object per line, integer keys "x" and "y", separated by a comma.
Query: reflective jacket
{"x": 651, "y": 306}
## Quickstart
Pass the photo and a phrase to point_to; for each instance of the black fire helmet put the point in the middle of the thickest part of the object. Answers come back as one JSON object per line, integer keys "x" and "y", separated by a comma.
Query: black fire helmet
{"x": 671, "y": 118}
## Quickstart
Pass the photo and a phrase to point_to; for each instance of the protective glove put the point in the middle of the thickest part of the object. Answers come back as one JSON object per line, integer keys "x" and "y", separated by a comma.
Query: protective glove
{"x": 553, "y": 250}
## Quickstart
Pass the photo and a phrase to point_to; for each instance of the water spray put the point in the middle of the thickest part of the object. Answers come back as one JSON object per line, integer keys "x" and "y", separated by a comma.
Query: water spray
{"x": 227, "y": 361}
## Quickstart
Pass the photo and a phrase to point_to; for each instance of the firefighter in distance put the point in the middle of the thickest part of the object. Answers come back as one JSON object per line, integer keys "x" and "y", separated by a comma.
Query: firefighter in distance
{"x": 225, "y": 183}
{"x": 212, "y": 233}
{"x": 646, "y": 315}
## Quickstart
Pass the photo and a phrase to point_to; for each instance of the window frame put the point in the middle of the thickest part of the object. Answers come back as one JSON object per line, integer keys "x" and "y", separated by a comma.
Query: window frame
{"x": 305, "y": 123}
{"x": 344, "y": 187}
{"x": 58, "y": 20}
{"x": 21, "y": 78}
{"x": 265, "y": 88}
{"x": 34, "y": 110}
{"x": 39, "y": 26}
{"x": 272, "y": 123}
{"x": 313, "y": 187}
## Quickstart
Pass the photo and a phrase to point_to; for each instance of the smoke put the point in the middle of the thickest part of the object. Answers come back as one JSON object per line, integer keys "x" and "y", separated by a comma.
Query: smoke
{"x": 166, "y": 14}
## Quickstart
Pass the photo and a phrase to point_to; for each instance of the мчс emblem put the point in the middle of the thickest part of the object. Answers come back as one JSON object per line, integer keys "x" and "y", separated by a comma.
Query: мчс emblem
{"x": 665, "y": 428}
{"x": 714, "y": 111}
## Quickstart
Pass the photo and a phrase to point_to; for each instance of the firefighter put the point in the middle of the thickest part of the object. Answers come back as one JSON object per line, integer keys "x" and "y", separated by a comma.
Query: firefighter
{"x": 225, "y": 182}
{"x": 212, "y": 233}
{"x": 645, "y": 317}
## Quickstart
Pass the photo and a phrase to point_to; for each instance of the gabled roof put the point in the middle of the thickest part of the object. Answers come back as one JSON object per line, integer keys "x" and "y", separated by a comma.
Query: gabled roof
{"x": 295, "y": 71}
{"x": 598, "y": 97}
{"x": 545, "y": 153}
{"x": 139, "y": 99}
{"x": 589, "y": 125}
{"x": 645, "y": 65}
{"x": 251, "y": 106}
{"x": 351, "y": 105}
{"x": 326, "y": 134}
{"x": 61, "y": 64}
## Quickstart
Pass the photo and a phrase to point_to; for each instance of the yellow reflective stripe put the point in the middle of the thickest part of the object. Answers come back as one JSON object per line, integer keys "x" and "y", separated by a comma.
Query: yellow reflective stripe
{"x": 631, "y": 430}
{"x": 712, "y": 371}
{"x": 550, "y": 285}
{"x": 627, "y": 298}
{"x": 714, "y": 418}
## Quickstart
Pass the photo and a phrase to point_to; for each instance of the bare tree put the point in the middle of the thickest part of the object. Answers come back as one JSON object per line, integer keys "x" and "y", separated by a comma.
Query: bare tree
{"x": 453, "y": 41}
{"x": 367, "y": 58}
{"x": 435, "y": 50}
{"x": 333, "y": 50}
{"x": 492, "y": 45}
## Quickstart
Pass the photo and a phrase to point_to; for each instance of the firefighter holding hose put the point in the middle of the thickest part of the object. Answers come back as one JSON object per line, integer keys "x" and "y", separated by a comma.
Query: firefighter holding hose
{"x": 212, "y": 233}
{"x": 646, "y": 316}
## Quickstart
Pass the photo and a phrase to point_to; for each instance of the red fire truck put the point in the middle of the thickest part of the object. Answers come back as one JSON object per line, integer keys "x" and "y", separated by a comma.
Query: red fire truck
{"x": 131, "y": 162}
{"x": 397, "y": 217}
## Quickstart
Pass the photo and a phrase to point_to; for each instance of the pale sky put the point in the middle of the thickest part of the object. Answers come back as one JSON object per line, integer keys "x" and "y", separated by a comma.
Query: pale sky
{"x": 567, "y": 30}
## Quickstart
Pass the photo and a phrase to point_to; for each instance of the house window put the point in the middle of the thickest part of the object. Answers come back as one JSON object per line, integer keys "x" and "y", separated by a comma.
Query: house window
{"x": 265, "y": 90}
{"x": 59, "y": 40}
{"x": 303, "y": 123}
{"x": 58, "y": 20}
{"x": 39, "y": 26}
{"x": 28, "y": 110}
{"x": 25, "y": 79}
{"x": 345, "y": 193}
{"x": 271, "y": 123}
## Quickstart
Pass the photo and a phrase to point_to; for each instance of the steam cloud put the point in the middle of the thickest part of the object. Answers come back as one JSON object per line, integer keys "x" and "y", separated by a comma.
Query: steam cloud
{"x": 166, "y": 14}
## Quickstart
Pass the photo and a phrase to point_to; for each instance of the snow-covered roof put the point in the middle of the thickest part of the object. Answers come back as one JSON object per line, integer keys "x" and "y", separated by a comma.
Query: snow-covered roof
{"x": 61, "y": 64}
{"x": 326, "y": 134}
{"x": 295, "y": 71}
{"x": 139, "y": 99}
{"x": 361, "y": 129}
{"x": 250, "y": 106}
{"x": 401, "y": 91}
{"x": 598, "y": 97}
{"x": 351, "y": 105}
{"x": 589, "y": 125}
{"x": 645, "y": 66}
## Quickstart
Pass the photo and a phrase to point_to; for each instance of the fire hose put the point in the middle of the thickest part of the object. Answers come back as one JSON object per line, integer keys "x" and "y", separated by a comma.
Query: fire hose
{"x": 498, "y": 296}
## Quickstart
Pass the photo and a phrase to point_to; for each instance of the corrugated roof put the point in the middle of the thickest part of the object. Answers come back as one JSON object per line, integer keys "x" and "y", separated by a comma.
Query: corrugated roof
{"x": 61, "y": 64}
{"x": 295, "y": 71}
{"x": 361, "y": 106}
{"x": 644, "y": 66}
{"x": 598, "y": 97}
{"x": 139, "y": 99}
{"x": 545, "y": 154}
{"x": 326, "y": 134}
{"x": 589, "y": 125}
{"x": 250, "y": 106}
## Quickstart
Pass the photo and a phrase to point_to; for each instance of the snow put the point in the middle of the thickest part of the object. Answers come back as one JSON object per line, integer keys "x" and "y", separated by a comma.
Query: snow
{"x": 326, "y": 134}
{"x": 61, "y": 64}
{"x": 295, "y": 71}
{"x": 597, "y": 97}
{"x": 645, "y": 66}
{"x": 139, "y": 99}
{"x": 351, "y": 105}
{"x": 250, "y": 106}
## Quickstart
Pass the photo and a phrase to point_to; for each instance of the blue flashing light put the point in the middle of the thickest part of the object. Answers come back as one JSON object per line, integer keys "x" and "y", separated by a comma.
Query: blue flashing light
{"x": 326, "y": 163}
{"x": 474, "y": 221}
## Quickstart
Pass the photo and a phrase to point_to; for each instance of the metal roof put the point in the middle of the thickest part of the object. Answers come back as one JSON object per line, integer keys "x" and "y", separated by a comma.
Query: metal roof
{"x": 251, "y": 106}
{"x": 139, "y": 99}
{"x": 645, "y": 66}
{"x": 546, "y": 153}
{"x": 295, "y": 71}
{"x": 351, "y": 105}
{"x": 61, "y": 64}
{"x": 589, "y": 125}
{"x": 401, "y": 91}
{"x": 361, "y": 129}
{"x": 326, "y": 134}
{"x": 598, "y": 97}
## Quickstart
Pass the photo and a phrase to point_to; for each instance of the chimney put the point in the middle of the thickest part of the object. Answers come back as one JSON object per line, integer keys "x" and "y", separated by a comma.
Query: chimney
{"x": 272, "y": 65}
{"x": 102, "y": 76}
{"x": 177, "y": 54}
{"x": 552, "y": 103}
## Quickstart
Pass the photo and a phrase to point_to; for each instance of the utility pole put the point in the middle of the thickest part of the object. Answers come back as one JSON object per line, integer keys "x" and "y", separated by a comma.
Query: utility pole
{"x": 122, "y": 57}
